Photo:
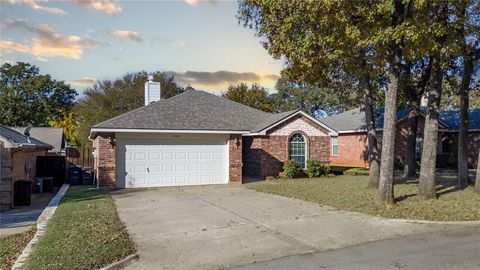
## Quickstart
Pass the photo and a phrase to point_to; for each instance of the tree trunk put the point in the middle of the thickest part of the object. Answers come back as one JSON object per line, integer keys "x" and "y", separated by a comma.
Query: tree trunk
{"x": 477, "y": 180}
{"x": 427, "y": 183}
{"x": 385, "y": 191}
{"x": 463, "y": 130}
{"x": 374, "y": 173}
{"x": 410, "y": 158}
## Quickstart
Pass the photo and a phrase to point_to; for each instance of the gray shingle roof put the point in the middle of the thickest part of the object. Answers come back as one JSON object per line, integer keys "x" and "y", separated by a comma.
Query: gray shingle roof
{"x": 191, "y": 110}
{"x": 355, "y": 119}
{"x": 17, "y": 138}
{"x": 51, "y": 135}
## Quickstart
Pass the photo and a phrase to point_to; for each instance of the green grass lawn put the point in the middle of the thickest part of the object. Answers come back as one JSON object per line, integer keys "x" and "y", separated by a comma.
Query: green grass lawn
{"x": 11, "y": 247}
{"x": 84, "y": 233}
{"x": 351, "y": 193}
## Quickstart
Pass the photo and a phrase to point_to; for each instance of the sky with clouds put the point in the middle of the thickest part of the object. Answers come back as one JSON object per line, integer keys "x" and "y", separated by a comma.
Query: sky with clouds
{"x": 81, "y": 41}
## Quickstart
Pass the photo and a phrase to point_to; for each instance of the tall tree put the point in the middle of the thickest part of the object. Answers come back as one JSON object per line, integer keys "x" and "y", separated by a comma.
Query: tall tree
{"x": 468, "y": 37}
{"x": 29, "y": 98}
{"x": 427, "y": 182}
{"x": 110, "y": 98}
{"x": 395, "y": 50}
{"x": 256, "y": 96}
{"x": 322, "y": 42}
{"x": 414, "y": 88}
{"x": 462, "y": 166}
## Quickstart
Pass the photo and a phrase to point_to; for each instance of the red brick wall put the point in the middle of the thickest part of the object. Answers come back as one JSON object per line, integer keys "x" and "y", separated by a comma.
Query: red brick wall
{"x": 235, "y": 158}
{"x": 353, "y": 146}
{"x": 105, "y": 163}
{"x": 265, "y": 155}
{"x": 450, "y": 145}
{"x": 352, "y": 150}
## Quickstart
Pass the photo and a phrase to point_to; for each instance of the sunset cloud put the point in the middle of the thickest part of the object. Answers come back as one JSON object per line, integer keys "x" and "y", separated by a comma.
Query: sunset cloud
{"x": 221, "y": 79}
{"x": 35, "y": 6}
{"x": 48, "y": 42}
{"x": 134, "y": 36}
{"x": 10, "y": 46}
{"x": 111, "y": 7}
{"x": 84, "y": 82}
{"x": 196, "y": 2}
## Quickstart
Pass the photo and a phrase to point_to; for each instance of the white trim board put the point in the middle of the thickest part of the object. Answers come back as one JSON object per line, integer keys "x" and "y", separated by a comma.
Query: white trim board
{"x": 193, "y": 131}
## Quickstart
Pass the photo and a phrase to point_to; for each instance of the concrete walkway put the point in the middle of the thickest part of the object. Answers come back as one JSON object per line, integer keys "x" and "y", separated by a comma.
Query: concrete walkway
{"x": 23, "y": 217}
{"x": 217, "y": 227}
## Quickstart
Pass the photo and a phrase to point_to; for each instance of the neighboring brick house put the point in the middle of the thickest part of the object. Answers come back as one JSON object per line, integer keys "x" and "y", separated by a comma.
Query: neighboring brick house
{"x": 197, "y": 138}
{"x": 18, "y": 158}
{"x": 352, "y": 137}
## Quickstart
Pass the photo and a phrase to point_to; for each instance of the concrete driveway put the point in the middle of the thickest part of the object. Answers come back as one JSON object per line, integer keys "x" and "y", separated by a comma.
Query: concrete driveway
{"x": 217, "y": 227}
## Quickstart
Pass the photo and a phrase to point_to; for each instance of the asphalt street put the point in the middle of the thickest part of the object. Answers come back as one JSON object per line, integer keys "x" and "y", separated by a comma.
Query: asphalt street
{"x": 459, "y": 249}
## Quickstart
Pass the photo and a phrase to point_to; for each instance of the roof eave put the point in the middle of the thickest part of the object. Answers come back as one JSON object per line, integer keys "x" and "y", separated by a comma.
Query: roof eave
{"x": 93, "y": 131}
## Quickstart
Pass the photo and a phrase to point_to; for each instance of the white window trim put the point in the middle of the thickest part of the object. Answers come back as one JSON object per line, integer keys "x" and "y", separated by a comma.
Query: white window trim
{"x": 338, "y": 146}
{"x": 306, "y": 148}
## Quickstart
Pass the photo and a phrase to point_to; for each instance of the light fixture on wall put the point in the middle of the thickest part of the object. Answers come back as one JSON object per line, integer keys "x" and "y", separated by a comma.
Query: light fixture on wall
{"x": 237, "y": 142}
{"x": 112, "y": 141}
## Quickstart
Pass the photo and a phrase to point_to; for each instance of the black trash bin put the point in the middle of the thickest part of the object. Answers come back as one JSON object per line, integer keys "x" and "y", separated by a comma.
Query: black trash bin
{"x": 75, "y": 176}
{"x": 47, "y": 184}
{"x": 87, "y": 178}
{"x": 22, "y": 192}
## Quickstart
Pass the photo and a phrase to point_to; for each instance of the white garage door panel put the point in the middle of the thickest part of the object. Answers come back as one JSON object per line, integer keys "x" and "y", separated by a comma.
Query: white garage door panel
{"x": 175, "y": 163}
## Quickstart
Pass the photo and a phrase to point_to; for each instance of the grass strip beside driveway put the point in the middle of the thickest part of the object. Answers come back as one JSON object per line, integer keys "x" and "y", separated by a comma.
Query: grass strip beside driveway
{"x": 352, "y": 194}
{"x": 11, "y": 247}
{"x": 84, "y": 233}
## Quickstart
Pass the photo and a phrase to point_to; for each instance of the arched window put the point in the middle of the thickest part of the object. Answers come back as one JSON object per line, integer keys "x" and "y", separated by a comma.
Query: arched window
{"x": 297, "y": 147}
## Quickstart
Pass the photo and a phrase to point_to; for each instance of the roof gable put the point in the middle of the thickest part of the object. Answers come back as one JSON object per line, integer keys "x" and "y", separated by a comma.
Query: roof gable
{"x": 50, "y": 135}
{"x": 17, "y": 139}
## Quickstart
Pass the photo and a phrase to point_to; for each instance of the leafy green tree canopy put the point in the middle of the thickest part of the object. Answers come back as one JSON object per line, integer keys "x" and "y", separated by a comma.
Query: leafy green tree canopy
{"x": 256, "y": 96}
{"x": 313, "y": 100}
{"x": 29, "y": 98}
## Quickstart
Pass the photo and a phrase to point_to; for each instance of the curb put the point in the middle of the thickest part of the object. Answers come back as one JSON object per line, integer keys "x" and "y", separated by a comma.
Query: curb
{"x": 436, "y": 222}
{"x": 122, "y": 263}
{"x": 42, "y": 222}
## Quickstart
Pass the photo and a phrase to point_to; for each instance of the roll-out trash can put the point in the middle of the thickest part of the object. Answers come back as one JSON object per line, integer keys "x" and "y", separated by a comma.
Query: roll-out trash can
{"x": 22, "y": 192}
{"x": 48, "y": 184}
{"x": 38, "y": 185}
{"x": 75, "y": 176}
{"x": 87, "y": 178}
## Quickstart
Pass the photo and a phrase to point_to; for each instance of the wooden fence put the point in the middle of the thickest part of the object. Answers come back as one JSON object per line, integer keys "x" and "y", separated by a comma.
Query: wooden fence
{"x": 81, "y": 156}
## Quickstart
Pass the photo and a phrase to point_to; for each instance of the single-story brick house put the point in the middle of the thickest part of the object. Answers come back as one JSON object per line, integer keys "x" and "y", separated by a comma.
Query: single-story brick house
{"x": 18, "y": 159}
{"x": 198, "y": 138}
{"x": 352, "y": 136}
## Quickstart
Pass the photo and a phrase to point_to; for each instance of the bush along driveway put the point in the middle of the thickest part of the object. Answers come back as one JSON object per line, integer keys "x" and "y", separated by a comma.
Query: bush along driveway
{"x": 84, "y": 233}
{"x": 352, "y": 194}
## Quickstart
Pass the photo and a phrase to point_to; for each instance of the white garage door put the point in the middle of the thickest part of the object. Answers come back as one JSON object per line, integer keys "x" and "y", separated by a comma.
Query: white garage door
{"x": 175, "y": 163}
